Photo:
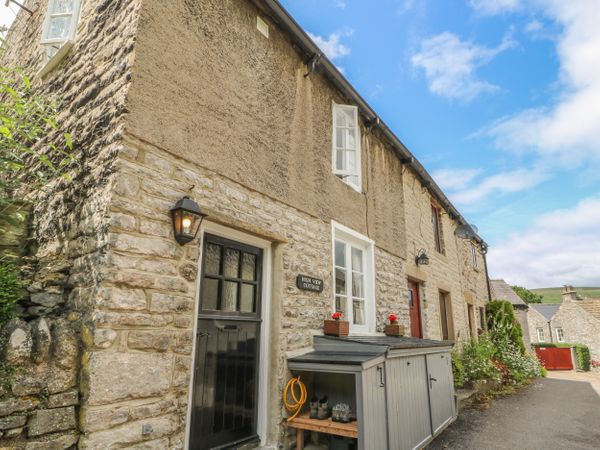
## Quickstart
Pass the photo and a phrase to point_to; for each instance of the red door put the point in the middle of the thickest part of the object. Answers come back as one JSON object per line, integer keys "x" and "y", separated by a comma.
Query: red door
{"x": 553, "y": 358}
{"x": 414, "y": 303}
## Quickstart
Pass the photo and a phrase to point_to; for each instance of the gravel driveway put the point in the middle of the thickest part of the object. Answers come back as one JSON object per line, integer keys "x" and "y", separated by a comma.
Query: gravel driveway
{"x": 558, "y": 412}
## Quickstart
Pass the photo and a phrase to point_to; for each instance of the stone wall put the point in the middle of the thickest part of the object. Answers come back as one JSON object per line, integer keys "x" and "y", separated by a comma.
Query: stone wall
{"x": 39, "y": 392}
{"x": 451, "y": 271}
{"x": 536, "y": 320}
{"x": 579, "y": 326}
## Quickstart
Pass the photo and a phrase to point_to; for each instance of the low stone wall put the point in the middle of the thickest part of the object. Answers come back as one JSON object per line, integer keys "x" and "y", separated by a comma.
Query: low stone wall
{"x": 39, "y": 375}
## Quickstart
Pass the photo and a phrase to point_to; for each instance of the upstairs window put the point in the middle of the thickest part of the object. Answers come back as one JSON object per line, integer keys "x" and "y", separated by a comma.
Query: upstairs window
{"x": 60, "y": 25}
{"x": 346, "y": 145}
{"x": 473, "y": 256}
{"x": 436, "y": 220}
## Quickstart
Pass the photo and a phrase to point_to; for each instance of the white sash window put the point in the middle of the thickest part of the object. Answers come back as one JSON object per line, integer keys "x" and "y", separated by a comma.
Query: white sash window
{"x": 60, "y": 25}
{"x": 346, "y": 145}
{"x": 353, "y": 275}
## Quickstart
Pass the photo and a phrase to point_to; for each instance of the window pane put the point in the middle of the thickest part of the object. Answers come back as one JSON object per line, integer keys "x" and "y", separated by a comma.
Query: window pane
{"x": 350, "y": 160}
{"x": 350, "y": 139}
{"x": 357, "y": 259}
{"x": 340, "y": 254}
{"x": 353, "y": 179}
{"x": 248, "y": 266}
{"x": 340, "y": 281}
{"x": 358, "y": 309}
{"x": 340, "y": 141}
{"x": 229, "y": 301}
{"x": 212, "y": 259}
{"x": 358, "y": 285}
{"x": 59, "y": 27}
{"x": 340, "y": 118}
{"x": 339, "y": 160}
{"x": 247, "y": 303}
{"x": 231, "y": 267}
{"x": 210, "y": 293}
{"x": 62, "y": 6}
{"x": 340, "y": 304}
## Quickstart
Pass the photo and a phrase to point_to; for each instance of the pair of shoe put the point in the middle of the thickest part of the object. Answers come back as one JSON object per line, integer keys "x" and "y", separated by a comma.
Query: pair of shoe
{"x": 342, "y": 413}
{"x": 319, "y": 409}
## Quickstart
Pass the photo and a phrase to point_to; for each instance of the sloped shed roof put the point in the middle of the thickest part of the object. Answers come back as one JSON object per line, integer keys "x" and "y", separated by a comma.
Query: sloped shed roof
{"x": 547, "y": 311}
{"x": 502, "y": 291}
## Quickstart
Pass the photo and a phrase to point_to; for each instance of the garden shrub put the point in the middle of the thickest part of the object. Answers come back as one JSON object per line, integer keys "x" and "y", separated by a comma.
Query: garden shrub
{"x": 10, "y": 290}
{"x": 521, "y": 366}
{"x": 476, "y": 358}
{"x": 458, "y": 370}
{"x": 503, "y": 324}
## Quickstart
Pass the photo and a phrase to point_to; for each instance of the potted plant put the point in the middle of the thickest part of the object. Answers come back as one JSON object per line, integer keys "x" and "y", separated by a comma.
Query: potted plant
{"x": 335, "y": 326}
{"x": 393, "y": 328}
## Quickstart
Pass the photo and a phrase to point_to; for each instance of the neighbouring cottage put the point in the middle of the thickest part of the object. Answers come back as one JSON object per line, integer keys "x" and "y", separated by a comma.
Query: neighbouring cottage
{"x": 501, "y": 290}
{"x": 231, "y": 104}
{"x": 576, "y": 320}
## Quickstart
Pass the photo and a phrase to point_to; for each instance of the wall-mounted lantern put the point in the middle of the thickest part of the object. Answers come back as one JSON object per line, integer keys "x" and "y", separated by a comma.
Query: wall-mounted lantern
{"x": 422, "y": 259}
{"x": 187, "y": 217}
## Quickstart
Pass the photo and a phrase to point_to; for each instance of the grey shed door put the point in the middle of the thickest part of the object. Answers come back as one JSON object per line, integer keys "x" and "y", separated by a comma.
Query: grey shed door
{"x": 409, "y": 423}
{"x": 441, "y": 389}
{"x": 373, "y": 427}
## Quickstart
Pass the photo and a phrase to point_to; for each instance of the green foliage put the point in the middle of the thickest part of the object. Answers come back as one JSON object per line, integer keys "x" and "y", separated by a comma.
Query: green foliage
{"x": 554, "y": 295}
{"x": 10, "y": 290}
{"x": 582, "y": 352}
{"x": 33, "y": 151}
{"x": 458, "y": 370}
{"x": 476, "y": 359}
{"x": 528, "y": 296}
{"x": 521, "y": 365}
{"x": 503, "y": 325}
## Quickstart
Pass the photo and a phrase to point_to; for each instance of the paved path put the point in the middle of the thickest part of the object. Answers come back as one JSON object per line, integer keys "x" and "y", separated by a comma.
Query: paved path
{"x": 558, "y": 412}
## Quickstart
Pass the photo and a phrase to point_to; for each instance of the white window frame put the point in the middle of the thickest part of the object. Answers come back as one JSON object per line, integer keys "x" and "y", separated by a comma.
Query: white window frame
{"x": 560, "y": 338}
{"x": 474, "y": 256}
{"x": 344, "y": 175}
{"x": 352, "y": 238}
{"x": 540, "y": 335}
{"x": 46, "y": 41}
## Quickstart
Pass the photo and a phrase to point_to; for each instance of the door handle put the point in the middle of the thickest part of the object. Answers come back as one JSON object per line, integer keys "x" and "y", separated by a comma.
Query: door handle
{"x": 430, "y": 381}
{"x": 228, "y": 327}
{"x": 381, "y": 376}
{"x": 202, "y": 333}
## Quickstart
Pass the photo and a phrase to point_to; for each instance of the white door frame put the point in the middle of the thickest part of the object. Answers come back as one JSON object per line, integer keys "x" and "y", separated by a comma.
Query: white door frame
{"x": 265, "y": 328}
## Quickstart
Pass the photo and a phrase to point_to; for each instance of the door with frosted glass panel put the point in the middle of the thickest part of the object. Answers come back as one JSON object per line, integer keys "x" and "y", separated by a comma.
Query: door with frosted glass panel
{"x": 350, "y": 292}
{"x": 225, "y": 392}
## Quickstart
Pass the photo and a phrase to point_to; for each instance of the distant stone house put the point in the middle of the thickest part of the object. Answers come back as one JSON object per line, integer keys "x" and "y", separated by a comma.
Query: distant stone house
{"x": 501, "y": 290}
{"x": 231, "y": 104}
{"x": 575, "y": 320}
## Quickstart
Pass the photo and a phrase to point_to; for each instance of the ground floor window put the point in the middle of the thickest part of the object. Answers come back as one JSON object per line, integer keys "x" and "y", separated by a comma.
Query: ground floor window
{"x": 560, "y": 335}
{"x": 540, "y": 335}
{"x": 354, "y": 278}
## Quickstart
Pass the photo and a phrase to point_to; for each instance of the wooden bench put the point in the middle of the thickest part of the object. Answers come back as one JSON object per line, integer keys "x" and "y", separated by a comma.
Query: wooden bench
{"x": 327, "y": 426}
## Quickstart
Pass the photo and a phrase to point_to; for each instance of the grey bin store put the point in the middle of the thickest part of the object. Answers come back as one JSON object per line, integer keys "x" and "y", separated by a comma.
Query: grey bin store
{"x": 401, "y": 388}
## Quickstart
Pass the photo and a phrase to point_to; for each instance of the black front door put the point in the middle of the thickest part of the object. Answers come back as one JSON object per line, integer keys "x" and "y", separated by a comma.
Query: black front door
{"x": 225, "y": 393}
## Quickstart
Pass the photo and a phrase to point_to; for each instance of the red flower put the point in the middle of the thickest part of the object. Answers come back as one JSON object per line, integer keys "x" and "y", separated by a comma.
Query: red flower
{"x": 336, "y": 315}
{"x": 393, "y": 318}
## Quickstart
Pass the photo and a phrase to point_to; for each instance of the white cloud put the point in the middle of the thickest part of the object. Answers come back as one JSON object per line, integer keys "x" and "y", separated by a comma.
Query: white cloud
{"x": 533, "y": 26}
{"x": 450, "y": 65}
{"x": 508, "y": 182}
{"x": 493, "y": 7}
{"x": 455, "y": 179}
{"x": 340, "y": 4}
{"x": 561, "y": 247}
{"x": 332, "y": 46}
{"x": 405, "y": 7}
{"x": 568, "y": 131}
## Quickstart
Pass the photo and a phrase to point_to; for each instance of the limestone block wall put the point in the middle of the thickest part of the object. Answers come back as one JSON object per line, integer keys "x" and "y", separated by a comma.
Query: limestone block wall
{"x": 39, "y": 393}
{"x": 450, "y": 271}
{"x": 579, "y": 327}
{"x": 536, "y": 320}
{"x": 138, "y": 356}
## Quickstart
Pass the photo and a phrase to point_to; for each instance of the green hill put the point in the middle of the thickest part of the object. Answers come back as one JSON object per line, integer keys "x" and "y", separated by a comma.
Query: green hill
{"x": 553, "y": 295}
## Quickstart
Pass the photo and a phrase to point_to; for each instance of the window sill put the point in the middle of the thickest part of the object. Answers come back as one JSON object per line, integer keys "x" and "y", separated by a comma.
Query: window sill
{"x": 55, "y": 60}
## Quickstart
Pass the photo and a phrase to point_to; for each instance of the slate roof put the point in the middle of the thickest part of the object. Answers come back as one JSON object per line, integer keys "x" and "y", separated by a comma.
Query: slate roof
{"x": 501, "y": 290}
{"x": 547, "y": 311}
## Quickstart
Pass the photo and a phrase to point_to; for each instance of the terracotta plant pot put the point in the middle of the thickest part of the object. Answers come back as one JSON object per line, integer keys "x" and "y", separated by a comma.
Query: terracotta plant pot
{"x": 339, "y": 328}
{"x": 394, "y": 329}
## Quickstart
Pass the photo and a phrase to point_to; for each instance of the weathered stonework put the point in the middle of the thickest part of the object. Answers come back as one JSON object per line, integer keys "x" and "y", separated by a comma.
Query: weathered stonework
{"x": 253, "y": 147}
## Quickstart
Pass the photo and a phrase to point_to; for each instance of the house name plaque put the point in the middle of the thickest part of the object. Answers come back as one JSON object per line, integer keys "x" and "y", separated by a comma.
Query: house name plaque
{"x": 307, "y": 283}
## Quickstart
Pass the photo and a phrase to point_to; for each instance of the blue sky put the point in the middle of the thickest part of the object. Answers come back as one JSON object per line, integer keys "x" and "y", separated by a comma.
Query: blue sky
{"x": 500, "y": 100}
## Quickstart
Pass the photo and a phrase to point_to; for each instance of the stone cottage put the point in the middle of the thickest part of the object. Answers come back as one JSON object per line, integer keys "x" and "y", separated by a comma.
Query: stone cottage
{"x": 576, "y": 320}
{"x": 501, "y": 290}
{"x": 231, "y": 104}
